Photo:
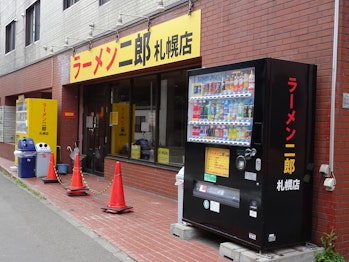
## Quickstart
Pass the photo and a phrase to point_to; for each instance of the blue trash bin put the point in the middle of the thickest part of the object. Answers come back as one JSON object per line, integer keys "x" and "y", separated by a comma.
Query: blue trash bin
{"x": 26, "y": 154}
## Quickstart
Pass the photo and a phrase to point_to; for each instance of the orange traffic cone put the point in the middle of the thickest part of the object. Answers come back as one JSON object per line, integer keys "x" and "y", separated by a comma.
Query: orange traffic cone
{"x": 76, "y": 188}
{"x": 51, "y": 172}
{"x": 117, "y": 199}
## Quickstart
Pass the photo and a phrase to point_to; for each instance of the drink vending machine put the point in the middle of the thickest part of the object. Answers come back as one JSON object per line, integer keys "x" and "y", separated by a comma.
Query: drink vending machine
{"x": 249, "y": 152}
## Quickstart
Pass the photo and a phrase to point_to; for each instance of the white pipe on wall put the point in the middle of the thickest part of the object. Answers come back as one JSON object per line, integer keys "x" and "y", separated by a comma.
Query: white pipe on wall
{"x": 333, "y": 84}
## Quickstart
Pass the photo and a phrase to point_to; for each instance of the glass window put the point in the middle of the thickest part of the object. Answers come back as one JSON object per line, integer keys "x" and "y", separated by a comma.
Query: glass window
{"x": 144, "y": 105}
{"x": 10, "y": 37}
{"x": 101, "y": 2}
{"x": 172, "y": 116}
{"x": 119, "y": 118}
{"x": 68, "y": 3}
{"x": 148, "y": 118}
{"x": 32, "y": 30}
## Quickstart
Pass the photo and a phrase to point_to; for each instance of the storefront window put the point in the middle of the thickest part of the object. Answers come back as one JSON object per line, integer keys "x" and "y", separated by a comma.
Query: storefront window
{"x": 119, "y": 117}
{"x": 144, "y": 121}
{"x": 147, "y": 118}
{"x": 172, "y": 115}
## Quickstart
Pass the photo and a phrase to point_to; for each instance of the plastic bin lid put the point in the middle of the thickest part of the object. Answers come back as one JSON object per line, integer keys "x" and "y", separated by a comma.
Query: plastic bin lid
{"x": 42, "y": 147}
{"x": 26, "y": 144}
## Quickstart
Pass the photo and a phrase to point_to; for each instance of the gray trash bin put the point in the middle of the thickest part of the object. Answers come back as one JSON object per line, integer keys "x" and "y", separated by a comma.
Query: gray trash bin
{"x": 26, "y": 154}
{"x": 180, "y": 184}
{"x": 43, "y": 154}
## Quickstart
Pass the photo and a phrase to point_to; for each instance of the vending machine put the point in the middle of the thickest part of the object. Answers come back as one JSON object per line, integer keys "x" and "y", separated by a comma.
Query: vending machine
{"x": 36, "y": 118}
{"x": 249, "y": 152}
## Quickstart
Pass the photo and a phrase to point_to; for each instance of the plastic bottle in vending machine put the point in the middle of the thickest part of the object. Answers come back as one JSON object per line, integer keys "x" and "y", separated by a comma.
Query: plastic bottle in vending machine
{"x": 246, "y": 81}
{"x": 214, "y": 110}
{"x": 195, "y": 131}
{"x": 232, "y": 133}
{"x": 203, "y": 113}
{"x": 221, "y": 110}
{"x": 228, "y": 84}
{"x": 246, "y": 111}
{"x": 239, "y": 134}
{"x": 210, "y": 132}
{"x": 251, "y": 81}
{"x": 250, "y": 110}
{"x": 235, "y": 110}
{"x": 236, "y": 83}
{"x": 231, "y": 110}
{"x": 226, "y": 110}
{"x": 202, "y": 132}
{"x": 225, "y": 133}
{"x": 240, "y": 114}
{"x": 217, "y": 111}
{"x": 196, "y": 111}
{"x": 223, "y": 91}
{"x": 209, "y": 111}
{"x": 241, "y": 82}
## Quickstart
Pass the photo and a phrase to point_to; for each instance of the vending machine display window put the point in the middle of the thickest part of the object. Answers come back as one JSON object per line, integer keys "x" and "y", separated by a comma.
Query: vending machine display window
{"x": 221, "y": 107}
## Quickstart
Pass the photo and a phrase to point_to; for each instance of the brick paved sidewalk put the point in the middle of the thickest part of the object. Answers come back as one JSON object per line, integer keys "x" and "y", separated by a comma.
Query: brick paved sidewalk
{"x": 143, "y": 234}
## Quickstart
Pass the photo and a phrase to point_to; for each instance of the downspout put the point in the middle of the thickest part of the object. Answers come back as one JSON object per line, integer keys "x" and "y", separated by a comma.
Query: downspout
{"x": 333, "y": 84}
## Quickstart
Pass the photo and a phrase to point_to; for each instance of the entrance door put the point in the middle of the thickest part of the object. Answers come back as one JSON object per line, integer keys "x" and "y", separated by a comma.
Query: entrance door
{"x": 95, "y": 128}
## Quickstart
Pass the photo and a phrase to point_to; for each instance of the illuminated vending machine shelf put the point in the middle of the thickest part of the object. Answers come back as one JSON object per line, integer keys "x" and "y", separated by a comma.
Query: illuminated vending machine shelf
{"x": 249, "y": 151}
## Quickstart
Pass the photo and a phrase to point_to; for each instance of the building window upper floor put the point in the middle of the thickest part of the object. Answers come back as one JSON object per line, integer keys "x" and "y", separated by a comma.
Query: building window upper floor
{"x": 102, "y": 2}
{"x": 68, "y": 3}
{"x": 32, "y": 30}
{"x": 10, "y": 37}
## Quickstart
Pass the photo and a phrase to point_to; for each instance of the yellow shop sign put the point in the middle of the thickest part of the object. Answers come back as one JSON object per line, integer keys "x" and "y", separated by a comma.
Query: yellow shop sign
{"x": 172, "y": 41}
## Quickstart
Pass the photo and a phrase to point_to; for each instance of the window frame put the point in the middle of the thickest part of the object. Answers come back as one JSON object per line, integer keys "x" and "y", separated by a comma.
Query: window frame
{"x": 69, "y": 3}
{"x": 10, "y": 40}
{"x": 32, "y": 27}
{"x": 102, "y": 2}
{"x": 136, "y": 116}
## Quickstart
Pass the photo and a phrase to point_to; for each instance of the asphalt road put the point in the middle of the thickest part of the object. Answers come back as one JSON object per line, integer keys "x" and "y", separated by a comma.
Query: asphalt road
{"x": 31, "y": 229}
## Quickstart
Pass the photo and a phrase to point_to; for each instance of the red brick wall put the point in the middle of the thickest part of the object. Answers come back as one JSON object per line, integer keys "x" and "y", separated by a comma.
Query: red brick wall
{"x": 26, "y": 81}
{"x": 68, "y": 100}
{"x": 340, "y": 198}
{"x": 6, "y": 151}
{"x": 155, "y": 180}
{"x": 36, "y": 77}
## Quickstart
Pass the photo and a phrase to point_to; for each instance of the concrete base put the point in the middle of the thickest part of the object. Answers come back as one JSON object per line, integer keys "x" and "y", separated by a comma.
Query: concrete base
{"x": 238, "y": 253}
{"x": 183, "y": 231}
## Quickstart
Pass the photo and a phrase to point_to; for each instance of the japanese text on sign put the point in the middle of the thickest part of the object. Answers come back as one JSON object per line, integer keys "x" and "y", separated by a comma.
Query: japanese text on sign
{"x": 288, "y": 185}
{"x": 44, "y": 120}
{"x": 172, "y": 41}
{"x": 290, "y": 145}
{"x": 290, "y": 155}
{"x": 217, "y": 161}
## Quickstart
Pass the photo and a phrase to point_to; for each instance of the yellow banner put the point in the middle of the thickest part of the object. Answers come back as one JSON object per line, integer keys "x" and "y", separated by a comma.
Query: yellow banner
{"x": 163, "y": 155}
{"x": 135, "y": 151}
{"x": 172, "y": 41}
